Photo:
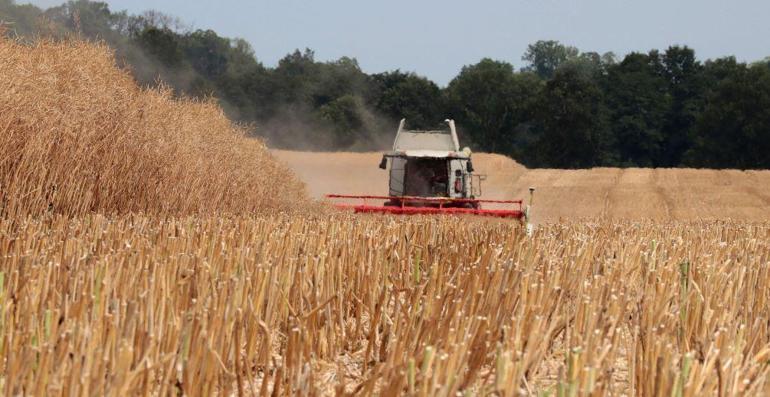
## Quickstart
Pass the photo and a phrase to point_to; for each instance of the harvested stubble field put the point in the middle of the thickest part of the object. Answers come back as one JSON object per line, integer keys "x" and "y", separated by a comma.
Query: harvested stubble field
{"x": 600, "y": 193}
{"x": 136, "y": 305}
{"x": 140, "y": 254}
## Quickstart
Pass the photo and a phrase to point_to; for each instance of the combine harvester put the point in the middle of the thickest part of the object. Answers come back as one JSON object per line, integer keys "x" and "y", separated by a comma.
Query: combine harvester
{"x": 429, "y": 174}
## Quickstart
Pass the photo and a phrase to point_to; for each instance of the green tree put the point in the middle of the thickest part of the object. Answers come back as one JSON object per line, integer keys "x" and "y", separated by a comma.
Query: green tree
{"x": 135, "y": 24}
{"x": 764, "y": 62}
{"x": 241, "y": 58}
{"x": 572, "y": 121}
{"x": 20, "y": 20}
{"x": 260, "y": 86}
{"x": 716, "y": 70}
{"x": 336, "y": 79}
{"x": 489, "y": 101}
{"x": 545, "y": 56}
{"x": 686, "y": 90}
{"x": 91, "y": 18}
{"x": 734, "y": 129}
{"x": 346, "y": 119}
{"x": 207, "y": 52}
{"x": 295, "y": 76}
{"x": 163, "y": 44}
{"x": 590, "y": 65}
{"x": 638, "y": 100}
{"x": 406, "y": 95}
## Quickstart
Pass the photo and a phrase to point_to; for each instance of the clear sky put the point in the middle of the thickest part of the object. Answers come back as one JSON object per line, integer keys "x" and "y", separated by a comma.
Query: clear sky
{"x": 436, "y": 38}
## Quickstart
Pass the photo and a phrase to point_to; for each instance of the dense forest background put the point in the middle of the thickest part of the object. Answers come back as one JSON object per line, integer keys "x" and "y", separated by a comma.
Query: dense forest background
{"x": 563, "y": 108}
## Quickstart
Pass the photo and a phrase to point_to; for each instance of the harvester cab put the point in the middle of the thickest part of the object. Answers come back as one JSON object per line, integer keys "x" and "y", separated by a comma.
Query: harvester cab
{"x": 430, "y": 164}
{"x": 429, "y": 174}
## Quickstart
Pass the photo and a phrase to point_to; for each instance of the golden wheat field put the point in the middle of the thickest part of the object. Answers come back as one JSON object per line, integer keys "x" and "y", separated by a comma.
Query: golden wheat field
{"x": 77, "y": 135}
{"x": 148, "y": 247}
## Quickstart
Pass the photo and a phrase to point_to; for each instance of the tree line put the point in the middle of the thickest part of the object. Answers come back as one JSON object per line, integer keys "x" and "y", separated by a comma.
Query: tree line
{"x": 564, "y": 108}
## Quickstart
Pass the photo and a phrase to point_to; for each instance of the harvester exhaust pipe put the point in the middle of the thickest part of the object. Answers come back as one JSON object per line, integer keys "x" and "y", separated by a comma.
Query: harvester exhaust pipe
{"x": 400, "y": 128}
{"x": 453, "y": 132}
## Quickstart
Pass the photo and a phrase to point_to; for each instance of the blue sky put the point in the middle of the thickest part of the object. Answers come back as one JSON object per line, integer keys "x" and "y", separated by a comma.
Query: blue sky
{"x": 436, "y": 38}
